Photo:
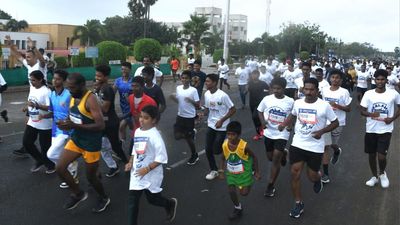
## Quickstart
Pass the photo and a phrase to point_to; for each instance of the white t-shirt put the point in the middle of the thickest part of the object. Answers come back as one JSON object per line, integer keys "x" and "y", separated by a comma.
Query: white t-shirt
{"x": 2, "y": 82}
{"x": 275, "y": 112}
{"x": 218, "y": 105}
{"x": 341, "y": 97}
{"x": 384, "y": 103}
{"x": 157, "y": 73}
{"x": 290, "y": 77}
{"x": 186, "y": 109}
{"x": 282, "y": 67}
{"x": 40, "y": 96}
{"x": 357, "y": 67}
{"x": 299, "y": 84}
{"x": 392, "y": 81}
{"x": 271, "y": 68}
{"x": 322, "y": 85}
{"x": 362, "y": 78}
{"x": 371, "y": 73}
{"x": 33, "y": 68}
{"x": 243, "y": 75}
{"x": 191, "y": 60}
{"x": 223, "y": 71}
{"x": 311, "y": 117}
{"x": 148, "y": 147}
{"x": 266, "y": 77}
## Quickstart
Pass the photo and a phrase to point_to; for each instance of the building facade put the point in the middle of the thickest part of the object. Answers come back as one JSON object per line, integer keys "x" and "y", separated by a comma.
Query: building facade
{"x": 60, "y": 35}
{"x": 213, "y": 15}
{"x": 237, "y": 27}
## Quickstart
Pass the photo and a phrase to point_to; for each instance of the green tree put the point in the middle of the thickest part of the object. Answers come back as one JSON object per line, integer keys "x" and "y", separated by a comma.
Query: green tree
{"x": 14, "y": 25}
{"x": 195, "y": 29}
{"x": 397, "y": 52}
{"x": 213, "y": 40}
{"x": 110, "y": 50}
{"x": 147, "y": 47}
{"x": 4, "y": 15}
{"x": 89, "y": 34}
{"x": 140, "y": 9}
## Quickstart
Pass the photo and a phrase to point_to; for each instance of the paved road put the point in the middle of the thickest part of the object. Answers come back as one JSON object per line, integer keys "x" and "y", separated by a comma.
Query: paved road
{"x": 33, "y": 199}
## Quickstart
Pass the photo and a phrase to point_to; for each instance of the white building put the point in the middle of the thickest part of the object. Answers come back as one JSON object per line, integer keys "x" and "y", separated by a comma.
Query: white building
{"x": 41, "y": 40}
{"x": 213, "y": 15}
{"x": 237, "y": 27}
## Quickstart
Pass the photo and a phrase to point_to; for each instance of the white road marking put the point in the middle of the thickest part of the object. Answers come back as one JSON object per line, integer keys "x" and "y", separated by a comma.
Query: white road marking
{"x": 17, "y": 103}
{"x": 183, "y": 161}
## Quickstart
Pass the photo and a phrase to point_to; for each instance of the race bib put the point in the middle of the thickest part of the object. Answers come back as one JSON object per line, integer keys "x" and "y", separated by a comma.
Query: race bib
{"x": 34, "y": 115}
{"x": 140, "y": 144}
{"x": 335, "y": 100}
{"x": 276, "y": 117}
{"x": 235, "y": 167}
{"x": 308, "y": 116}
{"x": 75, "y": 119}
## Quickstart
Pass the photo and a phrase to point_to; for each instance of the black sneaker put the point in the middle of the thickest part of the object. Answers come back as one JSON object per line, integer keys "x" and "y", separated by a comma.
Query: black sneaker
{"x": 74, "y": 201}
{"x": 236, "y": 214}
{"x": 36, "y": 167}
{"x": 112, "y": 172}
{"x": 318, "y": 186}
{"x": 171, "y": 209}
{"x": 21, "y": 152}
{"x": 102, "y": 204}
{"x": 51, "y": 170}
{"x": 325, "y": 179}
{"x": 193, "y": 159}
{"x": 335, "y": 157}
{"x": 3, "y": 115}
{"x": 270, "y": 192}
{"x": 297, "y": 210}
{"x": 284, "y": 157}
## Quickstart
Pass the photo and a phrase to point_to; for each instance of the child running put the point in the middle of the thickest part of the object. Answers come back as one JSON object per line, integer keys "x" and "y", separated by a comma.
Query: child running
{"x": 145, "y": 164}
{"x": 238, "y": 159}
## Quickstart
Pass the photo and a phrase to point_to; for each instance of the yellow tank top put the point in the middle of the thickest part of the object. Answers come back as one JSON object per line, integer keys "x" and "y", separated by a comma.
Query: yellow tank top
{"x": 239, "y": 151}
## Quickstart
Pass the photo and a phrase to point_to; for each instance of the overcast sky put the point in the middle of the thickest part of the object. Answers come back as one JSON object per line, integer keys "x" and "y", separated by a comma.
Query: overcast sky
{"x": 373, "y": 21}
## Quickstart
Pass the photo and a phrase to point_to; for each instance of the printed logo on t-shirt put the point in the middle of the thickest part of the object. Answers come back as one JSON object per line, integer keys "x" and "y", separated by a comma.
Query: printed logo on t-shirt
{"x": 276, "y": 115}
{"x": 335, "y": 100}
{"x": 75, "y": 118}
{"x": 383, "y": 110}
{"x": 140, "y": 145}
{"x": 308, "y": 119}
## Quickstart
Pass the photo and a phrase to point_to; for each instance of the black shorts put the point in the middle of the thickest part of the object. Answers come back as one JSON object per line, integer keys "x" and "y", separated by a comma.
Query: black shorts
{"x": 272, "y": 144}
{"x": 312, "y": 159}
{"x": 361, "y": 90}
{"x": 184, "y": 126}
{"x": 377, "y": 143}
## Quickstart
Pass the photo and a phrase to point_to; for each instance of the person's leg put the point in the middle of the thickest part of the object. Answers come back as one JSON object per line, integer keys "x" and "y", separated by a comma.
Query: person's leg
{"x": 233, "y": 195}
{"x": 221, "y": 80}
{"x": 295, "y": 170}
{"x": 276, "y": 166}
{"x": 211, "y": 136}
{"x": 242, "y": 89}
{"x": 28, "y": 141}
{"x": 91, "y": 174}
{"x": 226, "y": 83}
{"x": 168, "y": 204}
{"x": 45, "y": 143}
{"x": 57, "y": 146}
{"x": 382, "y": 163}
{"x": 122, "y": 130}
{"x": 192, "y": 146}
{"x": 66, "y": 158}
{"x": 133, "y": 206}
{"x": 325, "y": 160}
{"x": 115, "y": 142}
{"x": 106, "y": 153}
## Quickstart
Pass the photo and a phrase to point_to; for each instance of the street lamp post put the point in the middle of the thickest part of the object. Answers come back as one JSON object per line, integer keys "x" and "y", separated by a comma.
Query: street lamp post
{"x": 226, "y": 50}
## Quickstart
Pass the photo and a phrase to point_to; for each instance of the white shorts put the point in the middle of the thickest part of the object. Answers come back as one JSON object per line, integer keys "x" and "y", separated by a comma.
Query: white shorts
{"x": 57, "y": 146}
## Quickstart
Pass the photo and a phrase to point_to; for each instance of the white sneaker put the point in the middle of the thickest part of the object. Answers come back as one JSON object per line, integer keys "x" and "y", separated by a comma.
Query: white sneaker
{"x": 212, "y": 175}
{"x": 384, "y": 180}
{"x": 371, "y": 182}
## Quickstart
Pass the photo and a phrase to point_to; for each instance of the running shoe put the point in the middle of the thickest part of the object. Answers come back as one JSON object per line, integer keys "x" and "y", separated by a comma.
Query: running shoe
{"x": 335, "y": 157}
{"x": 270, "y": 192}
{"x": 297, "y": 210}
{"x": 236, "y": 214}
{"x": 193, "y": 159}
{"x": 74, "y": 201}
{"x": 101, "y": 205}
{"x": 384, "y": 180}
{"x": 318, "y": 186}
{"x": 212, "y": 175}
{"x": 21, "y": 152}
{"x": 257, "y": 137}
{"x": 4, "y": 115}
{"x": 325, "y": 179}
{"x": 371, "y": 182}
{"x": 171, "y": 209}
{"x": 36, "y": 167}
{"x": 64, "y": 185}
{"x": 51, "y": 170}
{"x": 112, "y": 172}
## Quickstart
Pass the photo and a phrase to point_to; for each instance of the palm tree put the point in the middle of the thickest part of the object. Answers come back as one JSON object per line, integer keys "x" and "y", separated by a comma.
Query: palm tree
{"x": 140, "y": 9}
{"x": 14, "y": 25}
{"x": 213, "y": 40}
{"x": 195, "y": 28}
{"x": 22, "y": 24}
{"x": 89, "y": 34}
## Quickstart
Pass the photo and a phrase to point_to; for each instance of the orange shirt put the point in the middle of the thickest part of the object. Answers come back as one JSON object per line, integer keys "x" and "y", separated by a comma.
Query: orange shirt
{"x": 174, "y": 64}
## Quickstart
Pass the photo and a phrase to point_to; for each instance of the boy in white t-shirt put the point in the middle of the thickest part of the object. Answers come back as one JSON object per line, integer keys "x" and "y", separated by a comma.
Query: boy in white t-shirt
{"x": 362, "y": 82}
{"x": 272, "y": 111}
{"x": 243, "y": 74}
{"x": 223, "y": 71}
{"x": 188, "y": 101}
{"x": 311, "y": 115}
{"x": 340, "y": 100}
{"x": 219, "y": 108}
{"x": 379, "y": 106}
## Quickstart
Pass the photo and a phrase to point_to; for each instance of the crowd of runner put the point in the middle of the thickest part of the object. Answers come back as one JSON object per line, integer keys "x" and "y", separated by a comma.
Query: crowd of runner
{"x": 305, "y": 100}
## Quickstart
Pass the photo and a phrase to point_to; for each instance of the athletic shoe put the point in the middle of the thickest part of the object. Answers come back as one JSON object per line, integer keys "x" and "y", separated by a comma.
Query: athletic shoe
{"x": 4, "y": 115}
{"x": 51, "y": 170}
{"x": 64, "y": 185}
{"x": 212, "y": 175}
{"x": 36, "y": 167}
{"x": 371, "y": 182}
{"x": 318, "y": 186}
{"x": 171, "y": 209}
{"x": 21, "y": 152}
{"x": 236, "y": 214}
{"x": 325, "y": 179}
{"x": 297, "y": 210}
{"x": 112, "y": 172}
{"x": 257, "y": 137}
{"x": 335, "y": 157}
{"x": 74, "y": 201}
{"x": 270, "y": 192}
{"x": 284, "y": 157}
{"x": 193, "y": 159}
{"x": 1, "y": 140}
{"x": 102, "y": 204}
{"x": 384, "y": 180}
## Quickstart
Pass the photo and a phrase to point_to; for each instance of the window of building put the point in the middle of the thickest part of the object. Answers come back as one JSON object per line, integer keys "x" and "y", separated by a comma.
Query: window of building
{"x": 48, "y": 45}
{"x": 68, "y": 40}
{"x": 23, "y": 44}
{"x": 241, "y": 29}
{"x": 235, "y": 28}
{"x": 17, "y": 42}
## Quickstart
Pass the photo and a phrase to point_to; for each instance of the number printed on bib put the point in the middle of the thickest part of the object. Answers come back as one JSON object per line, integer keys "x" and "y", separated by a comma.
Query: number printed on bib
{"x": 276, "y": 117}
{"x": 308, "y": 116}
{"x": 235, "y": 167}
{"x": 140, "y": 145}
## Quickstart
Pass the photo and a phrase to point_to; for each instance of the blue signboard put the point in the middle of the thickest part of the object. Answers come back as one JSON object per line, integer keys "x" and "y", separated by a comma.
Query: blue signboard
{"x": 91, "y": 52}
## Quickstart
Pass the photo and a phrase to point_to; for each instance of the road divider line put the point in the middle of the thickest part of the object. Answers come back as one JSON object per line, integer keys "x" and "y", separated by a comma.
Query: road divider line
{"x": 183, "y": 161}
{"x": 12, "y": 134}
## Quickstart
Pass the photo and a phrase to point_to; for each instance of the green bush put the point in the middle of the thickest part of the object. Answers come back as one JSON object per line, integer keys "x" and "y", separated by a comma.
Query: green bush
{"x": 304, "y": 55}
{"x": 147, "y": 47}
{"x": 80, "y": 60}
{"x": 217, "y": 55}
{"x": 282, "y": 56}
{"x": 61, "y": 62}
{"x": 110, "y": 50}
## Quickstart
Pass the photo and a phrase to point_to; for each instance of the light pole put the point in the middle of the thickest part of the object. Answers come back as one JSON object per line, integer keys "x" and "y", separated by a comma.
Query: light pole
{"x": 226, "y": 50}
